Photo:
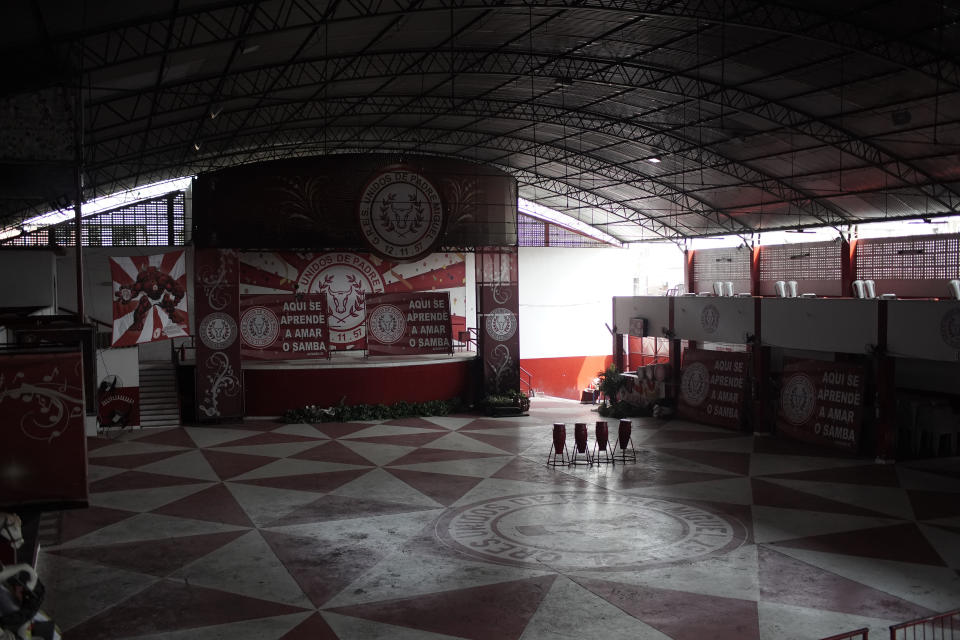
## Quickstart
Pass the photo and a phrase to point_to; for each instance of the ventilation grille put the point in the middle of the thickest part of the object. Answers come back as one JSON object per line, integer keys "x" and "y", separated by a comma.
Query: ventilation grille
{"x": 911, "y": 258}
{"x": 724, "y": 265}
{"x": 533, "y": 232}
{"x": 156, "y": 222}
{"x": 809, "y": 261}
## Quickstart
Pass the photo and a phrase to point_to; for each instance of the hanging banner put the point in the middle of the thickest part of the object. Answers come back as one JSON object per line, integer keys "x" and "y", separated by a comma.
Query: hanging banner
{"x": 149, "y": 298}
{"x": 408, "y": 323}
{"x": 822, "y": 403}
{"x": 43, "y": 459}
{"x": 712, "y": 387}
{"x": 498, "y": 318}
{"x": 284, "y": 327}
{"x": 218, "y": 377}
{"x": 344, "y": 278}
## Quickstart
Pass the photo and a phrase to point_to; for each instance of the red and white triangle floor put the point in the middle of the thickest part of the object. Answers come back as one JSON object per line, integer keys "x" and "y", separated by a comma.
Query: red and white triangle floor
{"x": 454, "y": 527}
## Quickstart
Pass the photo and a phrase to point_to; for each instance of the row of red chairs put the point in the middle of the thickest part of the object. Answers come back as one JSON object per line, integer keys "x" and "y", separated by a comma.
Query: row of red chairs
{"x": 622, "y": 449}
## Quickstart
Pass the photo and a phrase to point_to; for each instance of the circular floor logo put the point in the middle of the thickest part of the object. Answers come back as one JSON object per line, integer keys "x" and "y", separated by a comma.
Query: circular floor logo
{"x": 400, "y": 214}
{"x": 259, "y": 327}
{"x": 386, "y": 324}
{"x": 345, "y": 279}
{"x": 798, "y": 399}
{"x": 218, "y": 331}
{"x": 695, "y": 383}
{"x": 571, "y": 531}
{"x": 501, "y": 324}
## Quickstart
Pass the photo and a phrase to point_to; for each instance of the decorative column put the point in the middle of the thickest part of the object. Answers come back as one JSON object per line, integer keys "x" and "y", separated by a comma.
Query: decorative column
{"x": 218, "y": 377}
{"x": 498, "y": 311}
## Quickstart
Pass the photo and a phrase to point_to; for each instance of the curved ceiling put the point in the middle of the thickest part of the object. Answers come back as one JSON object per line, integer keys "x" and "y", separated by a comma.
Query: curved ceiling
{"x": 762, "y": 115}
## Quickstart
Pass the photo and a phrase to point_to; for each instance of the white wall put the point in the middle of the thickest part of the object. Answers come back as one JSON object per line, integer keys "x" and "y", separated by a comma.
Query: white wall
{"x": 566, "y": 295}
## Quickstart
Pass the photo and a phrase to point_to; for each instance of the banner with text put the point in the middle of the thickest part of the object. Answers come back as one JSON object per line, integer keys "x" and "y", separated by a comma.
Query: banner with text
{"x": 284, "y": 327}
{"x": 712, "y": 387}
{"x": 408, "y": 323}
{"x": 822, "y": 403}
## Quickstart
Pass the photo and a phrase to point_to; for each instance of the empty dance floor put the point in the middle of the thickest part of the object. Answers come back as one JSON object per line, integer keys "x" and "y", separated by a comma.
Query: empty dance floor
{"x": 454, "y": 527}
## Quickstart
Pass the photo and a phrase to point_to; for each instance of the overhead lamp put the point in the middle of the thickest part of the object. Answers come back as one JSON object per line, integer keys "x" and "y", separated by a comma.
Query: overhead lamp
{"x": 215, "y": 111}
{"x": 653, "y": 160}
{"x": 196, "y": 145}
{"x": 563, "y": 82}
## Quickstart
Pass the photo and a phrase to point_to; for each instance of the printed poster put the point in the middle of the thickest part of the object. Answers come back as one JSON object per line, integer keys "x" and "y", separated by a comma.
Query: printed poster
{"x": 149, "y": 298}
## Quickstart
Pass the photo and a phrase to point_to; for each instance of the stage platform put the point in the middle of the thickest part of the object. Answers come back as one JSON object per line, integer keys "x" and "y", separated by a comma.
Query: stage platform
{"x": 272, "y": 387}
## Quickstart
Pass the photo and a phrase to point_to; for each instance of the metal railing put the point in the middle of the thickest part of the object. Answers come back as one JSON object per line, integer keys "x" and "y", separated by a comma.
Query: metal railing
{"x": 859, "y": 634}
{"x": 527, "y": 381}
{"x": 944, "y": 626}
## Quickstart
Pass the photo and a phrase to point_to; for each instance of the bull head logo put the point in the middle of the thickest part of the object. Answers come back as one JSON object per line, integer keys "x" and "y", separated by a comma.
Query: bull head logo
{"x": 347, "y": 300}
{"x": 401, "y": 216}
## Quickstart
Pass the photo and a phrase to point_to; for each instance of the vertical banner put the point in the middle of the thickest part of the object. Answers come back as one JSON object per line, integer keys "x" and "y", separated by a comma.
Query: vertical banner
{"x": 218, "y": 377}
{"x": 712, "y": 387}
{"x": 822, "y": 403}
{"x": 498, "y": 311}
{"x": 149, "y": 298}
{"x": 408, "y": 323}
{"x": 43, "y": 458}
{"x": 284, "y": 327}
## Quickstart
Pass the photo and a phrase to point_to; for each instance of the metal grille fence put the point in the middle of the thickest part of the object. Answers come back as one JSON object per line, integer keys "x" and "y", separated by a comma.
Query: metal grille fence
{"x": 532, "y": 232}
{"x": 808, "y": 261}
{"x": 724, "y": 265}
{"x": 155, "y": 222}
{"x": 910, "y": 258}
{"x": 945, "y": 626}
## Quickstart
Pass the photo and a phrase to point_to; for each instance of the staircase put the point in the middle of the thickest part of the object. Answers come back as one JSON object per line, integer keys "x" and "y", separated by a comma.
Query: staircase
{"x": 159, "y": 405}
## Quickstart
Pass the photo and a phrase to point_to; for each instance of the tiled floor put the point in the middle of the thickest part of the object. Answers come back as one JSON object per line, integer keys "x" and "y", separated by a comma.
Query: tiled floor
{"x": 454, "y": 528}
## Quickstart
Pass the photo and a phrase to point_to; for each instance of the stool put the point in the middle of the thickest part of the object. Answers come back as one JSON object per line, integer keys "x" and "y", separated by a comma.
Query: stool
{"x": 558, "y": 449}
{"x": 602, "y": 444}
{"x": 625, "y": 442}
{"x": 581, "y": 454}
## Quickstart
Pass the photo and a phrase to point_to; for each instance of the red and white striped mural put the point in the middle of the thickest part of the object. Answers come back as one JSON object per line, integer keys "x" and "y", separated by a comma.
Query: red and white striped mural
{"x": 149, "y": 298}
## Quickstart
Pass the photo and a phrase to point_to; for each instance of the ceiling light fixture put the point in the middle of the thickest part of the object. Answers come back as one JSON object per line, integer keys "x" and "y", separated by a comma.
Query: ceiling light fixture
{"x": 196, "y": 145}
{"x": 653, "y": 160}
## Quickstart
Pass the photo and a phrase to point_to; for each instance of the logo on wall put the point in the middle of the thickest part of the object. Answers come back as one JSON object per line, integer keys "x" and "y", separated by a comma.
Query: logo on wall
{"x": 695, "y": 383}
{"x": 218, "y": 331}
{"x": 259, "y": 327}
{"x": 710, "y": 318}
{"x": 501, "y": 324}
{"x": 400, "y": 214}
{"x": 798, "y": 399}
{"x": 387, "y": 324}
{"x": 344, "y": 278}
{"x": 950, "y": 328}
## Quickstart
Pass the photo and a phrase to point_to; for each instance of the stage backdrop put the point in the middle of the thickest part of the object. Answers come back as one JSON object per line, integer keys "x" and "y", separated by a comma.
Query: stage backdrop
{"x": 401, "y": 210}
{"x": 410, "y": 323}
{"x": 344, "y": 278}
{"x": 149, "y": 298}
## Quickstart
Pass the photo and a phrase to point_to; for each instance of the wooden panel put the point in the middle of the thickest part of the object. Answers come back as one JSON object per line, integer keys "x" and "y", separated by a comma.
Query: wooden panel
{"x": 714, "y": 319}
{"x": 815, "y": 324}
{"x": 656, "y": 309}
{"x": 926, "y": 329}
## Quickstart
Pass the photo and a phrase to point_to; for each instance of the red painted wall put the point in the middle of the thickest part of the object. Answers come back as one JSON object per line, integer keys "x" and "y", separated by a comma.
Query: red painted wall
{"x": 564, "y": 377}
{"x": 270, "y": 392}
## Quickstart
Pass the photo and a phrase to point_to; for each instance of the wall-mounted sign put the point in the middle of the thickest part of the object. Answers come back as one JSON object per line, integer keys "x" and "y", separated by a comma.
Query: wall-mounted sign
{"x": 284, "y": 327}
{"x": 822, "y": 402}
{"x": 408, "y": 323}
{"x": 712, "y": 387}
{"x": 400, "y": 214}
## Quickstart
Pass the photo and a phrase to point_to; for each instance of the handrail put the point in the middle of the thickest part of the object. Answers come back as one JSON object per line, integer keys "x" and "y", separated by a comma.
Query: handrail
{"x": 943, "y": 626}
{"x": 859, "y": 634}
{"x": 529, "y": 381}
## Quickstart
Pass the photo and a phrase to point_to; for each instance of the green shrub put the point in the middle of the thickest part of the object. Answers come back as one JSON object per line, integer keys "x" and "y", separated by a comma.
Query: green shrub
{"x": 350, "y": 413}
